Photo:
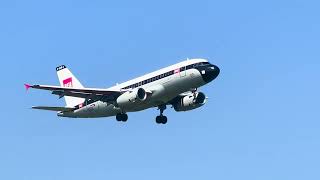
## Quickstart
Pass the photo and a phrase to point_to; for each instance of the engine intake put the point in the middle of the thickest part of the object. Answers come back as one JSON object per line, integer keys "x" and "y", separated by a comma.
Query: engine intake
{"x": 141, "y": 94}
{"x": 190, "y": 102}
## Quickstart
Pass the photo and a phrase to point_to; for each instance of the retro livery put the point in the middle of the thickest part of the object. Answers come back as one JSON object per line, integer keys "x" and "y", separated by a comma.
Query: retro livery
{"x": 175, "y": 85}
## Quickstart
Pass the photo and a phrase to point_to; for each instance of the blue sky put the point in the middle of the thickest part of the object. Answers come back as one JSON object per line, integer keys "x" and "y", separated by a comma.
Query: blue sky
{"x": 261, "y": 122}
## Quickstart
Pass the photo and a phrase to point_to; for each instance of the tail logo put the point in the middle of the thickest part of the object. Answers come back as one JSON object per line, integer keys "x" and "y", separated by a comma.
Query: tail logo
{"x": 67, "y": 82}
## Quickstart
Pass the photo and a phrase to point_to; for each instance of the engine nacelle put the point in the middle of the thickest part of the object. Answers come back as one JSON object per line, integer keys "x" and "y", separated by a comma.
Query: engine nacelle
{"x": 132, "y": 98}
{"x": 190, "y": 102}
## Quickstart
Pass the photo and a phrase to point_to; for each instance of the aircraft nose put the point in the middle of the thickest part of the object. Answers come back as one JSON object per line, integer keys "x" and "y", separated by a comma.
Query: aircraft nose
{"x": 210, "y": 73}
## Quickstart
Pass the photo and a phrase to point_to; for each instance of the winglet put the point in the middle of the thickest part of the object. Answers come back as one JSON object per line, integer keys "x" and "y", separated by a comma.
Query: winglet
{"x": 27, "y": 86}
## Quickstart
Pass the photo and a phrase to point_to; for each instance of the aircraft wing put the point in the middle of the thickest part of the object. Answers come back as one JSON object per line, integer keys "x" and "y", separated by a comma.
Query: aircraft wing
{"x": 87, "y": 93}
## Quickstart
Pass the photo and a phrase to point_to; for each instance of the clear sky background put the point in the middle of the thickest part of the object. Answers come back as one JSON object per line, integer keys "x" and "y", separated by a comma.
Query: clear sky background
{"x": 261, "y": 122}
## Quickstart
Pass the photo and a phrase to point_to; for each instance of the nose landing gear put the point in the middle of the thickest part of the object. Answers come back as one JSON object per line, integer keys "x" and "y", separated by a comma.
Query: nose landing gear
{"x": 122, "y": 117}
{"x": 162, "y": 119}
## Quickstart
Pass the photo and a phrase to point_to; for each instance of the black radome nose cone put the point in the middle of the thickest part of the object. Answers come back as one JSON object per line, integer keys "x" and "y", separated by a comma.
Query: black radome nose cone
{"x": 210, "y": 73}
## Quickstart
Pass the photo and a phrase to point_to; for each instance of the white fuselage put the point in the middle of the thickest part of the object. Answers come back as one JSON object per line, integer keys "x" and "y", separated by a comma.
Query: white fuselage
{"x": 163, "y": 87}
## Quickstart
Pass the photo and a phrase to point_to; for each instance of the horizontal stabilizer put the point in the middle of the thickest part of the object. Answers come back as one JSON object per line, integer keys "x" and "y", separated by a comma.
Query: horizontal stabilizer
{"x": 63, "y": 109}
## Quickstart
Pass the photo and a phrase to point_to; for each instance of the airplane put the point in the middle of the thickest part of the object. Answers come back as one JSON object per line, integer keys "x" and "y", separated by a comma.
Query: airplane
{"x": 176, "y": 85}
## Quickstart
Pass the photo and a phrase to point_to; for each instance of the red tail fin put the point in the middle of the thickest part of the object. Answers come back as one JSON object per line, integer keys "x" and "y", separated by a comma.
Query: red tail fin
{"x": 27, "y": 86}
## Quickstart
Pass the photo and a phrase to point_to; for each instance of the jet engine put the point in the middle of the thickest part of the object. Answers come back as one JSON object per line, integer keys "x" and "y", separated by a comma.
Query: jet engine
{"x": 190, "y": 102}
{"x": 132, "y": 98}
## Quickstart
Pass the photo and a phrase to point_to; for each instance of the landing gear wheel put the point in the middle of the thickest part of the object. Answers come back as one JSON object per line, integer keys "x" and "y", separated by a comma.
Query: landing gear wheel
{"x": 158, "y": 119}
{"x": 164, "y": 120}
{"x": 122, "y": 117}
{"x": 161, "y": 119}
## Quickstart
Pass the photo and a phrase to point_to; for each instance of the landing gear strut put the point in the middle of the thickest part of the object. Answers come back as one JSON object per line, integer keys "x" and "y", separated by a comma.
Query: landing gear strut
{"x": 122, "y": 117}
{"x": 162, "y": 119}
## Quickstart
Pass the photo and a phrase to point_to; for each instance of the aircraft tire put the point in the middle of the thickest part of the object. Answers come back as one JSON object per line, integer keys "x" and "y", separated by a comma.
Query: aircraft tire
{"x": 161, "y": 119}
{"x": 164, "y": 120}
{"x": 122, "y": 117}
{"x": 158, "y": 119}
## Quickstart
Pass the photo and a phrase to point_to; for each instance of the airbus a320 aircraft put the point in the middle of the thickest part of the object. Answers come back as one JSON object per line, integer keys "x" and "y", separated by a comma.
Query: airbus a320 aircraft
{"x": 175, "y": 85}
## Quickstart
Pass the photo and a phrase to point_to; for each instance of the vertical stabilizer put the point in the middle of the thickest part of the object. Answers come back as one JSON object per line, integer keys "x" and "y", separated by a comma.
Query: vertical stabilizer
{"x": 67, "y": 79}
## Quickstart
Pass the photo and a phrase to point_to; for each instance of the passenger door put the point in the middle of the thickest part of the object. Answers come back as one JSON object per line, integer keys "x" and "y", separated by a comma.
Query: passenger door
{"x": 183, "y": 72}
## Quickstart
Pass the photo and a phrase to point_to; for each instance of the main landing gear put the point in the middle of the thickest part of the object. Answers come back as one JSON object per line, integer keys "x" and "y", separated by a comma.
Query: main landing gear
{"x": 162, "y": 119}
{"x": 122, "y": 117}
